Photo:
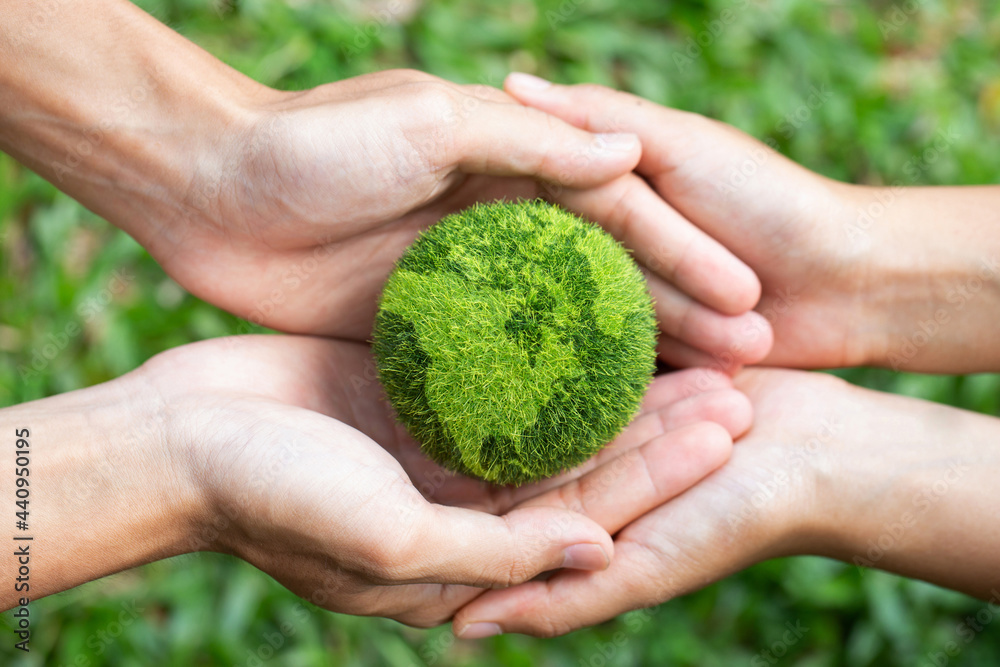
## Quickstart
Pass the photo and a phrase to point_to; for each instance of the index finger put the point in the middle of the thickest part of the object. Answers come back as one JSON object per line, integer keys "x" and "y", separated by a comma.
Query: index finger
{"x": 660, "y": 470}
{"x": 642, "y": 478}
{"x": 668, "y": 243}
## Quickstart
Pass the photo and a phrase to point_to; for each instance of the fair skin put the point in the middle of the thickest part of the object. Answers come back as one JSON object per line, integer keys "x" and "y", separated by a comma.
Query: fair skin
{"x": 245, "y": 196}
{"x": 289, "y": 208}
{"x": 282, "y": 450}
{"x": 829, "y": 469}
{"x": 839, "y": 290}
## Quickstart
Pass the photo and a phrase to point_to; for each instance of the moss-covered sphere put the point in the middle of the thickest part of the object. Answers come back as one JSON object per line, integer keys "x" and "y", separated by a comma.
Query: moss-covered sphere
{"x": 515, "y": 340}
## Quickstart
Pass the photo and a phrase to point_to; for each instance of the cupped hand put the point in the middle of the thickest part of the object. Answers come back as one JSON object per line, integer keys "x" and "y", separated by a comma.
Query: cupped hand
{"x": 788, "y": 224}
{"x": 306, "y": 475}
{"x": 828, "y": 469}
{"x": 309, "y": 197}
{"x": 760, "y": 504}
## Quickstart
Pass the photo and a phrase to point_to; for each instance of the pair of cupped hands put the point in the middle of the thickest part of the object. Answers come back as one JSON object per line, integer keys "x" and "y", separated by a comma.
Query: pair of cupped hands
{"x": 303, "y": 469}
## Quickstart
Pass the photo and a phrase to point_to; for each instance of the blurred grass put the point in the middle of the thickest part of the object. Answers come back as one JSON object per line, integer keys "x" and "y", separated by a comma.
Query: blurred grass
{"x": 897, "y": 78}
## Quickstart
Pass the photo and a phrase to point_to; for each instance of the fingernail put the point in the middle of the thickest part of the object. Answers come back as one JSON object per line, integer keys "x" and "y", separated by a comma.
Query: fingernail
{"x": 585, "y": 557}
{"x": 479, "y": 631}
{"x": 527, "y": 81}
{"x": 617, "y": 142}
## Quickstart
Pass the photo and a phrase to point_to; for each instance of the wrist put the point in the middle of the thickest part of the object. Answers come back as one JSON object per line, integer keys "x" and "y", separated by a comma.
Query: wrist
{"x": 107, "y": 491}
{"x": 125, "y": 116}
{"x": 930, "y": 254}
{"x": 899, "y": 487}
{"x": 177, "y": 138}
{"x": 880, "y": 282}
{"x": 843, "y": 475}
{"x": 153, "y": 439}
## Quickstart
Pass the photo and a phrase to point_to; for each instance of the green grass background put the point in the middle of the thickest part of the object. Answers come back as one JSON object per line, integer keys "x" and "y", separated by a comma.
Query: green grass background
{"x": 899, "y": 73}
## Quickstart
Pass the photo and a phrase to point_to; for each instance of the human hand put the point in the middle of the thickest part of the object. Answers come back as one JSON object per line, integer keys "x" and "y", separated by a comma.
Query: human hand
{"x": 294, "y": 470}
{"x": 265, "y": 447}
{"x": 787, "y": 223}
{"x": 324, "y": 189}
{"x": 683, "y": 429}
{"x": 324, "y": 218}
{"x": 270, "y": 429}
{"x": 289, "y": 208}
{"x": 829, "y": 469}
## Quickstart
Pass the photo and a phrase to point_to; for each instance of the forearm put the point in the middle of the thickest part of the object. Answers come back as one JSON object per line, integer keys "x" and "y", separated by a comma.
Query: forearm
{"x": 114, "y": 108}
{"x": 935, "y": 275}
{"x": 921, "y": 502}
{"x": 103, "y": 491}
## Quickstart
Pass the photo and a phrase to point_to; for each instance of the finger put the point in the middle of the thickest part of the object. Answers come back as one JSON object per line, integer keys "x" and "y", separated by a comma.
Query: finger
{"x": 673, "y": 400}
{"x": 666, "y": 242}
{"x": 488, "y": 93}
{"x": 667, "y": 135}
{"x": 641, "y": 479}
{"x": 373, "y": 82}
{"x": 571, "y": 600}
{"x": 504, "y": 139}
{"x": 482, "y": 130}
{"x": 418, "y": 605}
{"x": 642, "y": 574}
{"x": 746, "y": 338}
{"x": 452, "y": 545}
{"x": 678, "y": 547}
{"x": 668, "y": 388}
{"x": 727, "y": 408}
{"x": 682, "y": 355}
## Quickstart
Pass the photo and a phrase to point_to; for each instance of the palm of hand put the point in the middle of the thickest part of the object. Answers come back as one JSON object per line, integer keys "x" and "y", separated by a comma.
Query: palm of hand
{"x": 278, "y": 453}
{"x": 307, "y": 476}
{"x": 755, "y": 507}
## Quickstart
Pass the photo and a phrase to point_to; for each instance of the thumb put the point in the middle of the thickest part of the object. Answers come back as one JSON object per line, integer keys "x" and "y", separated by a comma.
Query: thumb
{"x": 508, "y": 139}
{"x": 667, "y": 135}
{"x": 451, "y": 545}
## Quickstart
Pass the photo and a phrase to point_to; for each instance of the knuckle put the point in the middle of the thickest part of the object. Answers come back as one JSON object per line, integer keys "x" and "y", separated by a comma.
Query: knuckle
{"x": 593, "y": 89}
{"x": 438, "y": 98}
{"x": 549, "y": 149}
{"x": 433, "y": 117}
{"x": 391, "y": 561}
{"x": 510, "y": 564}
{"x": 488, "y": 92}
{"x": 501, "y": 576}
{"x": 549, "y": 627}
{"x": 516, "y": 573}
{"x": 516, "y": 570}
{"x": 572, "y": 496}
{"x": 423, "y": 618}
{"x": 409, "y": 75}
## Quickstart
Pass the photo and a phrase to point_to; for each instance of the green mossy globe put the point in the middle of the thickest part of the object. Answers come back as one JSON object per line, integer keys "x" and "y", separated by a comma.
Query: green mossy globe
{"x": 514, "y": 341}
